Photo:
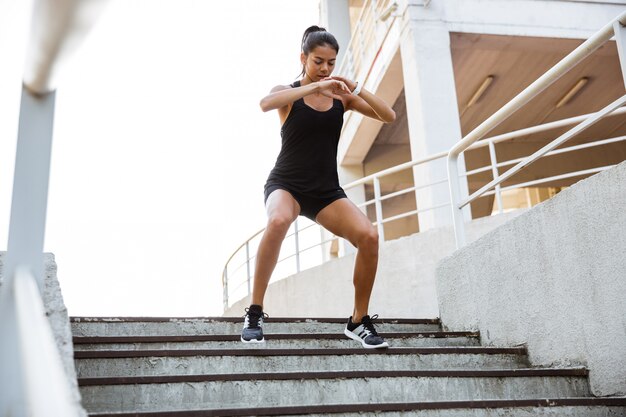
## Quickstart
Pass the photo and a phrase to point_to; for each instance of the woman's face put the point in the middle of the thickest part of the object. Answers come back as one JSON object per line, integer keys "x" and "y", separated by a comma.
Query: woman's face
{"x": 319, "y": 63}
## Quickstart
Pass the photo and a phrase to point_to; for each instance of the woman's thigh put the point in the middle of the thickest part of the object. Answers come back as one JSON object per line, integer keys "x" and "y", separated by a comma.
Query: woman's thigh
{"x": 345, "y": 220}
{"x": 280, "y": 203}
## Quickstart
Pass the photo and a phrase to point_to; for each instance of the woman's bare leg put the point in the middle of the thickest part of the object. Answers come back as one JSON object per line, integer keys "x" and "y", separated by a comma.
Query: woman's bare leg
{"x": 282, "y": 210}
{"x": 344, "y": 219}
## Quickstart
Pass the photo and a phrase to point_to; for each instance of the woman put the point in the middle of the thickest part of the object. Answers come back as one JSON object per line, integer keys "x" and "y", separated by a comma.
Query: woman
{"x": 304, "y": 180}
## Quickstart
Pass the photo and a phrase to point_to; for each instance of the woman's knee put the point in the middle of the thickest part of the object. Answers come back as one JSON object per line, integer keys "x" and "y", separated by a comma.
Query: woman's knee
{"x": 368, "y": 239}
{"x": 278, "y": 223}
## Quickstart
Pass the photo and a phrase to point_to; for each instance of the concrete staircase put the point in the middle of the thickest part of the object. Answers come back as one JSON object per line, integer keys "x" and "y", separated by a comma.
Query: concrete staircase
{"x": 197, "y": 367}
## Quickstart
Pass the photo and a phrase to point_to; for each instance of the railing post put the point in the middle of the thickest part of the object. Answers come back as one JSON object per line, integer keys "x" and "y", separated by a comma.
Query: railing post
{"x": 248, "y": 264}
{"x": 495, "y": 173}
{"x": 225, "y": 287}
{"x": 379, "y": 210}
{"x": 455, "y": 198}
{"x": 30, "y": 185}
{"x": 620, "y": 39}
{"x": 295, "y": 235}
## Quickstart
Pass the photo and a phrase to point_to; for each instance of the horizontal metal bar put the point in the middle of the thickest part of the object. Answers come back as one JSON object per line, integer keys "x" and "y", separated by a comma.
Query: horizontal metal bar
{"x": 551, "y": 153}
{"x": 319, "y": 244}
{"x": 243, "y": 244}
{"x": 234, "y": 271}
{"x": 541, "y": 152}
{"x": 569, "y": 149}
{"x": 558, "y": 177}
{"x": 543, "y": 127}
{"x": 400, "y": 216}
{"x": 395, "y": 169}
{"x": 438, "y": 206}
{"x": 479, "y": 170}
{"x": 543, "y": 82}
{"x": 415, "y": 188}
{"x": 241, "y": 284}
{"x": 479, "y": 144}
{"x": 285, "y": 258}
{"x": 397, "y": 193}
{"x": 367, "y": 203}
{"x": 401, "y": 192}
{"x": 301, "y": 229}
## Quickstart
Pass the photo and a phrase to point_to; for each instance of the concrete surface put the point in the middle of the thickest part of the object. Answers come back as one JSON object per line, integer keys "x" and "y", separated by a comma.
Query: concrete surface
{"x": 404, "y": 287}
{"x": 553, "y": 278}
{"x": 59, "y": 322}
{"x": 175, "y": 327}
{"x": 268, "y": 393}
{"x": 569, "y": 411}
{"x": 271, "y": 343}
{"x": 203, "y": 365}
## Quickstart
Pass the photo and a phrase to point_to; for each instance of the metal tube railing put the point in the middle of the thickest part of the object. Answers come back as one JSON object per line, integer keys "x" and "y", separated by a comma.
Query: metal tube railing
{"x": 543, "y": 151}
{"x": 380, "y": 221}
{"x": 543, "y": 82}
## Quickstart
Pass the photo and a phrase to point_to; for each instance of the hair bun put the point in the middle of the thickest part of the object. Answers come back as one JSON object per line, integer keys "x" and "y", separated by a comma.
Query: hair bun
{"x": 312, "y": 29}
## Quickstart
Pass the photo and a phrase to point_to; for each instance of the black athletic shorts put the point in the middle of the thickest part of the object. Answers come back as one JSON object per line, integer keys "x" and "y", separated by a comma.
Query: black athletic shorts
{"x": 310, "y": 204}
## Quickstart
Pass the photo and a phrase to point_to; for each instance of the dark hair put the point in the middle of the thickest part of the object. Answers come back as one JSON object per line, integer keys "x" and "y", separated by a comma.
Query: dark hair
{"x": 315, "y": 36}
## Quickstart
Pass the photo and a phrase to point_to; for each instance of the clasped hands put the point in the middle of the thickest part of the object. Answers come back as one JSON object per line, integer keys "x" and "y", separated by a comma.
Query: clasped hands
{"x": 335, "y": 86}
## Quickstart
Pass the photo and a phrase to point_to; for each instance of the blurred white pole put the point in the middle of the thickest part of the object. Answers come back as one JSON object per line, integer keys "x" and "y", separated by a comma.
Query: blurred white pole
{"x": 58, "y": 28}
{"x": 30, "y": 186}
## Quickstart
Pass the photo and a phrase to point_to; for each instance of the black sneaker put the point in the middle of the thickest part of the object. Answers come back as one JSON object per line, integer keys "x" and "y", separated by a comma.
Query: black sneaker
{"x": 253, "y": 325}
{"x": 365, "y": 332}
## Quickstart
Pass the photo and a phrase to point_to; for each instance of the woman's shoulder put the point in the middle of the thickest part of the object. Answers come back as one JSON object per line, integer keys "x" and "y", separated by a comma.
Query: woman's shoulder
{"x": 285, "y": 87}
{"x": 280, "y": 88}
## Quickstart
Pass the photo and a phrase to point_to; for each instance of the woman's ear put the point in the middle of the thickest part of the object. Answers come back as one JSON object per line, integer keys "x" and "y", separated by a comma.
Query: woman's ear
{"x": 302, "y": 58}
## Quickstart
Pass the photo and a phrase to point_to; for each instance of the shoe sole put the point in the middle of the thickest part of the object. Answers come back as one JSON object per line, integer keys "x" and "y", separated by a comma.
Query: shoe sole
{"x": 365, "y": 345}
{"x": 252, "y": 340}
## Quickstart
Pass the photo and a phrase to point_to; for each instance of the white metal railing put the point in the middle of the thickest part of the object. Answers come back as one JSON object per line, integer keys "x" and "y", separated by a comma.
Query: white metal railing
{"x": 366, "y": 38}
{"x": 232, "y": 285}
{"x": 614, "y": 28}
{"x": 32, "y": 377}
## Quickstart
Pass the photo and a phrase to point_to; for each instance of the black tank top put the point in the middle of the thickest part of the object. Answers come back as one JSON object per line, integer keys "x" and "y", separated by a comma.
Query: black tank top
{"x": 307, "y": 162}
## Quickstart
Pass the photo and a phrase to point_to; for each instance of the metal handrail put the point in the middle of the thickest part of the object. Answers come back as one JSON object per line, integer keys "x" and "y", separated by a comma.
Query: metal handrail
{"x": 615, "y": 27}
{"x": 479, "y": 144}
{"x": 32, "y": 377}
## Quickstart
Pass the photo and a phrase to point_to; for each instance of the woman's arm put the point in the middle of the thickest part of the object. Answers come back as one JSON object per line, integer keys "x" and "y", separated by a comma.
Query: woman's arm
{"x": 282, "y": 96}
{"x": 367, "y": 103}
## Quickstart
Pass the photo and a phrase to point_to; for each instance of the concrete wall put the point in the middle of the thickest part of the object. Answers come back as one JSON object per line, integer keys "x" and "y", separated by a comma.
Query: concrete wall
{"x": 554, "y": 279}
{"x": 405, "y": 283}
{"x": 59, "y": 322}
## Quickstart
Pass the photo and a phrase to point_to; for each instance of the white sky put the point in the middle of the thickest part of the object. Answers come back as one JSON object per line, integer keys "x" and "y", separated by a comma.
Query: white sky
{"x": 160, "y": 150}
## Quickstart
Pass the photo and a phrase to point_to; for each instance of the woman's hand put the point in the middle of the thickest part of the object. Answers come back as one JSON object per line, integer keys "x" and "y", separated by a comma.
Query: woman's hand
{"x": 333, "y": 88}
{"x": 350, "y": 84}
{"x": 365, "y": 103}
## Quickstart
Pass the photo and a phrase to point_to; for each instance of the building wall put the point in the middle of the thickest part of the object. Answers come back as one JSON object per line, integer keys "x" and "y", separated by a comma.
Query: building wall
{"x": 554, "y": 279}
{"x": 405, "y": 283}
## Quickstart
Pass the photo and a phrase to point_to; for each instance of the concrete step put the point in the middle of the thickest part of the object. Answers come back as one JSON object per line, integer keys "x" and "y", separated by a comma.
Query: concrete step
{"x": 544, "y": 407}
{"x": 305, "y": 389}
{"x": 166, "y": 326}
{"x": 273, "y": 341}
{"x": 190, "y": 362}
